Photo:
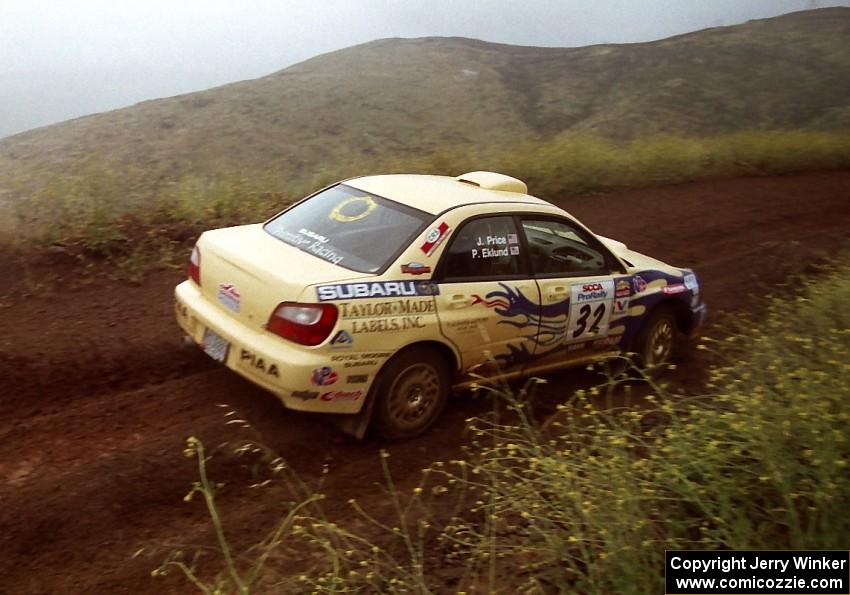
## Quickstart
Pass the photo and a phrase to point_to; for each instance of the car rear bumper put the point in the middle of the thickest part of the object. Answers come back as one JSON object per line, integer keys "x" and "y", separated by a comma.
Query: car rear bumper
{"x": 277, "y": 365}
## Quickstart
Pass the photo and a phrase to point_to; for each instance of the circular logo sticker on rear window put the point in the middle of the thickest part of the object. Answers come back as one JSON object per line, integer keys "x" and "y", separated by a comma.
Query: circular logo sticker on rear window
{"x": 353, "y": 208}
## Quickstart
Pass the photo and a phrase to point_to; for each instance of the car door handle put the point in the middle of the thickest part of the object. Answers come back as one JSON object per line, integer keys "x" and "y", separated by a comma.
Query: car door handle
{"x": 459, "y": 301}
{"x": 558, "y": 293}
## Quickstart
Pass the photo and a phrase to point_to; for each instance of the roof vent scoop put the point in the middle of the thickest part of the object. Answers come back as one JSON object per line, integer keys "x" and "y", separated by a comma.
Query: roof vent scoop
{"x": 492, "y": 181}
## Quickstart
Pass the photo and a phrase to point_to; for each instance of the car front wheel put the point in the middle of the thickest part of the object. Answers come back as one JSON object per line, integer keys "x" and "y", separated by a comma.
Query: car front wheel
{"x": 654, "y": 342}
{"x": 412, "y": 391}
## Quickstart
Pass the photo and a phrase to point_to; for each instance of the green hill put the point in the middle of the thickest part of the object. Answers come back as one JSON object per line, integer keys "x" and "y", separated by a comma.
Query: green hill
{"x": 392, "y": 98}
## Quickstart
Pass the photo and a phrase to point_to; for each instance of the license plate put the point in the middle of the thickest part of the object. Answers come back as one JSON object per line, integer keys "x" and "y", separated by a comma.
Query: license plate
{"x": 215, "y": 346}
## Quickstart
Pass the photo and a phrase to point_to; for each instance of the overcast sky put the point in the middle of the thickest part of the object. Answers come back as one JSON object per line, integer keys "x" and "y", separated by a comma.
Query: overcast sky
{"x": 60, "y": 59}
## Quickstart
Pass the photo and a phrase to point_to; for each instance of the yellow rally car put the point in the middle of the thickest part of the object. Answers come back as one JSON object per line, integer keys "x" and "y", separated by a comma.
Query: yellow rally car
{"x": 375, "y": 297}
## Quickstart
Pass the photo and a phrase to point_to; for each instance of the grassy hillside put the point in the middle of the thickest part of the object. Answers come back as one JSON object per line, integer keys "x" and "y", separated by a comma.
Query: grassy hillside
{"x": 399, "y": 99}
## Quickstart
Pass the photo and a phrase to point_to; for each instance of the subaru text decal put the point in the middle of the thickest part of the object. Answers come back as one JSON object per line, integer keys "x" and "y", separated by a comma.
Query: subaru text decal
{"x": 356, "y": 291}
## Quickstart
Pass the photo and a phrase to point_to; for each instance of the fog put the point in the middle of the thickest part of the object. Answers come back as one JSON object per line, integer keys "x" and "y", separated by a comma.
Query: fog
{"x": 60, "y": 60}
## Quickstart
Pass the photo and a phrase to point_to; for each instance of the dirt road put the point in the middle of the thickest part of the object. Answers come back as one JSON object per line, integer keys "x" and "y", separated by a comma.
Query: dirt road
{"x": 98, "y": 396}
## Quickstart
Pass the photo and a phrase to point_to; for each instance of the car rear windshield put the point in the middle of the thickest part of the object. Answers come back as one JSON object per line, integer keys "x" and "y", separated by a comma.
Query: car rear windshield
{"x": 349, "y": 227}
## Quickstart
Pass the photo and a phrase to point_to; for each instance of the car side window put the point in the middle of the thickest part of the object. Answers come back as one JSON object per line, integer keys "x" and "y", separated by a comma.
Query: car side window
{"x": 487, "y": 247}
{"x": 556, "y": 247}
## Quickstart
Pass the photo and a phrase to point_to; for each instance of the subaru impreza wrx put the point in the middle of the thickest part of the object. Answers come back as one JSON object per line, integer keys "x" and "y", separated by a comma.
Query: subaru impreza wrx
{"x": 376, "y": 297}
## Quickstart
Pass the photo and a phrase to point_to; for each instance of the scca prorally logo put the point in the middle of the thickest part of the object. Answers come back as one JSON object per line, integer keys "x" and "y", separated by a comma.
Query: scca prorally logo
{"x": 356, "y": 291}
{"x": 324, "y": 376}
{"x": 594, "y": 291}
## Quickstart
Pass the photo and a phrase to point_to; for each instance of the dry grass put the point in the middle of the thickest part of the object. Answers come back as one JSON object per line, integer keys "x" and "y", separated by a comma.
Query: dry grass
{"x": 85, "y": 215}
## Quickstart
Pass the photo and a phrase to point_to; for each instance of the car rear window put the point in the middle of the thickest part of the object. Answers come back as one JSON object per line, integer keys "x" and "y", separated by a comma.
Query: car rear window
{"x": 349, "y": 227}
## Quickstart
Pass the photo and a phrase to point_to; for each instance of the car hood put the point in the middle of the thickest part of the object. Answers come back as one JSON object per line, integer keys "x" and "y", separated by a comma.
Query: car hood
{"x": 636, "y": 260}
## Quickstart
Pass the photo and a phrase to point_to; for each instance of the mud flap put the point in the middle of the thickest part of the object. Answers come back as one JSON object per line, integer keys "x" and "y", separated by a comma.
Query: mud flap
{"x": 357, "y": 424}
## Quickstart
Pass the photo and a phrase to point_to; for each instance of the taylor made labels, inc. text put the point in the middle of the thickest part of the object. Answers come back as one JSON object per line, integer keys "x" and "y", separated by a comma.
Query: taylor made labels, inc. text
{"x": 757, "y": 572}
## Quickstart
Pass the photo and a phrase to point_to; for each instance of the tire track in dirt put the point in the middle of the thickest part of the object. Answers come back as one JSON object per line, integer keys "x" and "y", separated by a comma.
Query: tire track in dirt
{"x": 97, "y": 396}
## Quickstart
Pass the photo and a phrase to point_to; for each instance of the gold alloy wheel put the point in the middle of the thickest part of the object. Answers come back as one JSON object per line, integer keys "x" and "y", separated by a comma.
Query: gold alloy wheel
{"x": 413, "y": 395}
{"x": 660, "y": 343}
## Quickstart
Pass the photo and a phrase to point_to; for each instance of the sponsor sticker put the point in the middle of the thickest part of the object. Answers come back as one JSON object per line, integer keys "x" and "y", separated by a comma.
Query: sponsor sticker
{"x": 324, "y": 376}
{"x": 638, "y": 284}
{"x": 353, "y": 208}
{"x": 358, "y": 360}
{"x": 305, "y": 395}
{"x": 342, "y": 339}
{"x": 342, "y": 395}
{"x": 228, "y": 296}
{"x": 312, "y": 242}
{"x": 356, "y": 291}
{"x": 621, "y": 308}
{"x": 434, "y": 238}
{"x": 391, "y": 308}
{"x": 252, "y": 360}
{"x": 415, "y": 268}
{"x": 592, "y": 292}
{"x": 350, "y": 357}
{"x": 357, "y": 378}
{"x": 624, "y": 289}
{"x": 380, "y": 325}
{"x": 674, "y": 289}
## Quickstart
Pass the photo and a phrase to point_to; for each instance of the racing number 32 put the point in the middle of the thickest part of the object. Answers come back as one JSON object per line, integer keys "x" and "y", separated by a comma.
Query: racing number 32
{"x": 584, "y": 314}
{"x": 590, "y": 309}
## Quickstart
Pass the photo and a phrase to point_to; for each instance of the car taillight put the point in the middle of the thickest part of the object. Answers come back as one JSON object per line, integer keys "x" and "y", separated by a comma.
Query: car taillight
{"x": 195, "y": 265}
{"x": 307, "y": 324}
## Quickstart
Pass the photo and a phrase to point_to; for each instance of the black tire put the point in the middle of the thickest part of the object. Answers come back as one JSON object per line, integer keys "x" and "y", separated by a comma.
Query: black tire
{"x": 411, "y": 393}
{"x": 655, "y": 340}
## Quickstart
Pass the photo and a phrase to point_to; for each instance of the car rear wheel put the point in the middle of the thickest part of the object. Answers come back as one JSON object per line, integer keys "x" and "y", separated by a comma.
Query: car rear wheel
{"x": 654, "y": 342}
{"x": 412, "y": 392}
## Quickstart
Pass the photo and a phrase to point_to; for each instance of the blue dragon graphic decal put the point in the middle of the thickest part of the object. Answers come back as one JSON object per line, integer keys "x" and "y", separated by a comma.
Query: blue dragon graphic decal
{"x": 540, "y": 326}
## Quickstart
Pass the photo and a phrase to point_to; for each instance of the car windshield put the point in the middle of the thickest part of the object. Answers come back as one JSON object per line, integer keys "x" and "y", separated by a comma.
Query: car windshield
{"x": 349, "y": 227}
